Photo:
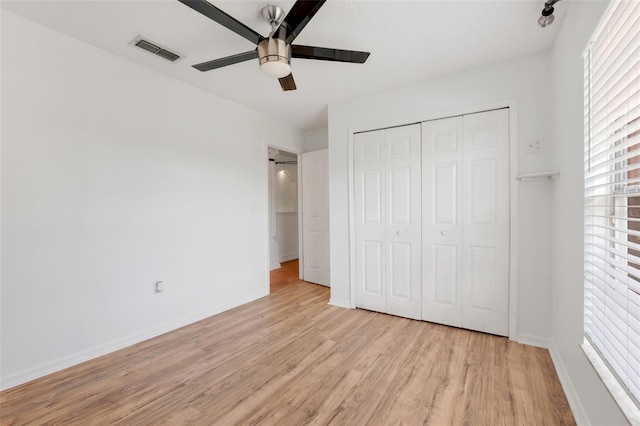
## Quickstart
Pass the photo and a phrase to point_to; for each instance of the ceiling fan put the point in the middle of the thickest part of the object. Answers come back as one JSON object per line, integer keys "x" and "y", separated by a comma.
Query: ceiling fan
{"x": 275, "y": 51}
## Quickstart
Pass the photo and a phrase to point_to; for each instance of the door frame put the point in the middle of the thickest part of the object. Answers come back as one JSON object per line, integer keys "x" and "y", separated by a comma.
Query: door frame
{"x": 267, "y": 217}
{"x": 512, "y": 104}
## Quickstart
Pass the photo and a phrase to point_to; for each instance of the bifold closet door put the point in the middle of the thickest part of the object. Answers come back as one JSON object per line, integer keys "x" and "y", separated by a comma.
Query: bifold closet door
{"x": 388, "y": 220}
{"x": 466, "y": 221}
{"x": 485, "y": 298}
{"x": 442, "y": 221}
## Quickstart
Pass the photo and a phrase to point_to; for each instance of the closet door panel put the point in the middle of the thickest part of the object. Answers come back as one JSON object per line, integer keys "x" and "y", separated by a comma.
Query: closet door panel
{"x": 387, "y": 220}
{"x": 400, "y": 196}
{"x": 486, "y": 222}
{"x": 445, "y": 194}
{"x": 400, "y": 271}
{"x": 372, "y": 197}
{"x": 403, "y": 228}
{"x": 482, "y": 195}
{"x": 373, "y": 272}
{"x": 370, "y": 220}
{"x": 442, "y": 221}
{"x": 445, "y": 272}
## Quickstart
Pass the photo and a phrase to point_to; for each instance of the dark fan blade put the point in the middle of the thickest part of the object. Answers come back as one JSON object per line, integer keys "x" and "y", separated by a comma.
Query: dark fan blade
{"x": 229, "y": 60}
{"x": 326, "y": 54}
{"x": 299, "y": 16}
{"x": 287, "y": 83}
{"x": 212, "y": 12}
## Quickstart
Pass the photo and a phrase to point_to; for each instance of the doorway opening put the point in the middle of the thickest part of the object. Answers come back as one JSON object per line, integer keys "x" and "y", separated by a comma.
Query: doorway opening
{"x": 284, "y": 247}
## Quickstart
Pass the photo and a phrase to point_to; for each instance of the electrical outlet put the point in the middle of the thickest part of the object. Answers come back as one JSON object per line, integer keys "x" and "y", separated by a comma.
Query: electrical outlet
{"x": 534, "y": 146}
{"x": 158, "y": 287}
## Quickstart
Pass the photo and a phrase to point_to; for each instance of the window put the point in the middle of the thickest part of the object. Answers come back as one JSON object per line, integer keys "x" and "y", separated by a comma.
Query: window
{"x": 612, "y": 194}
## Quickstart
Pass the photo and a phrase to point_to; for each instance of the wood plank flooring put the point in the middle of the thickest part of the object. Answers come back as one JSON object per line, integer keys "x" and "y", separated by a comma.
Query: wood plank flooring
{"x": 291, "y": 359}
{"x": 286, "y": 275}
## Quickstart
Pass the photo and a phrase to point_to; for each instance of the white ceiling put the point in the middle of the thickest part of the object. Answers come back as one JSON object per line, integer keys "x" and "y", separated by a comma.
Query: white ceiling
{"x": 409, "y": 41}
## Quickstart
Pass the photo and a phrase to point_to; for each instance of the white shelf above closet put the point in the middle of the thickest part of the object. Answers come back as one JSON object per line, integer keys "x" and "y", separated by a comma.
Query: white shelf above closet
{"x": 537, "y": 176}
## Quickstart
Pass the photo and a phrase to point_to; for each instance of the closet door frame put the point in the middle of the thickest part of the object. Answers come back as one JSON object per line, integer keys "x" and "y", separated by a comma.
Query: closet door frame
{"x": 512, "y": 105}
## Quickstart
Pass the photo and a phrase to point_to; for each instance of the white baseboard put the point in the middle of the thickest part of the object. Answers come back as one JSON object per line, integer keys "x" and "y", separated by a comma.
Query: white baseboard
{"x": 340, "y": 303}
{"x": 49, "y": 367}
{"x": 528, "y": 339}
{"x": 287, "y": 257}
{"x": 577, "y": 408}
{"x": 274, "y": 265}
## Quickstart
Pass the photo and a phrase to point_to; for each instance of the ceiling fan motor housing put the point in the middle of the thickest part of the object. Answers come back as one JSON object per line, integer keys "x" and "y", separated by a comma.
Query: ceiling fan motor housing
{"x": 274, "y": 50}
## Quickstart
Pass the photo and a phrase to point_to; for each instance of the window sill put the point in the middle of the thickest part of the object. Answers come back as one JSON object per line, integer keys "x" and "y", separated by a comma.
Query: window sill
{"x": 619, "y": 395}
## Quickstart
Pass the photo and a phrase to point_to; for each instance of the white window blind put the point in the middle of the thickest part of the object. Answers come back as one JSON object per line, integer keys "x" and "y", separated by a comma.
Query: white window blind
{"x": 612, "y": 193}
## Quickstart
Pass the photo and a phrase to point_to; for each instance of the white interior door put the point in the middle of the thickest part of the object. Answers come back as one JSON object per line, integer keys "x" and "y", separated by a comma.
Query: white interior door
{"x": 387, "y": 220}
{"x": 485, "y": 296}
{"x": 315, "y": 217}
{"x": 370, "y": 177}
{"x": 466, "y": 221}
{"x": 442, "y": 221}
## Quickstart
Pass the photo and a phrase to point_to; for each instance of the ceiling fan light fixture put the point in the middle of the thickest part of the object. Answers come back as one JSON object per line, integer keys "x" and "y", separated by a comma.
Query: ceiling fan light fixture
{"x": 275, "y": 69}
{"x": 275, "y": 57}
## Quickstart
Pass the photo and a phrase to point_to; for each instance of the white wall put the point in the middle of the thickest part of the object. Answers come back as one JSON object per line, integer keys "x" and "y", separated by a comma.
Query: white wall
{"x": 113, "y": 177}
{"x": 286, "y": 188}
{"x": 590, "y": 400}
{"x": 287, "y": 238}
{"x": 316, "y": 139}
{"x": 526, "y": 81}
{"x": 286, "y": 193}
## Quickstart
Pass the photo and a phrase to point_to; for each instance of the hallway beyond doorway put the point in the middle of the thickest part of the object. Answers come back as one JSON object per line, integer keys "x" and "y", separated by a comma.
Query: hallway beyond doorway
{"x": 284, "y": 276}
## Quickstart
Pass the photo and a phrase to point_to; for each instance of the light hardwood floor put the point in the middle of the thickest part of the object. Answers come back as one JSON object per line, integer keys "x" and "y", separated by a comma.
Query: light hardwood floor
{"x": 286, "y": 275}
{"x": 291, "y": 359}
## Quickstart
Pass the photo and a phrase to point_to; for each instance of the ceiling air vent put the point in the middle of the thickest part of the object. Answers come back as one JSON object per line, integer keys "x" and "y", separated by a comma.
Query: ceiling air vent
{"x": 155, "y": 49}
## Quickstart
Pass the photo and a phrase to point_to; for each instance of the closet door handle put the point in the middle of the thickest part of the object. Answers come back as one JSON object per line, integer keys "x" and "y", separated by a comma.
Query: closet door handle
{"x": 397, "y": 232}
{"x": 443, "y": 233}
